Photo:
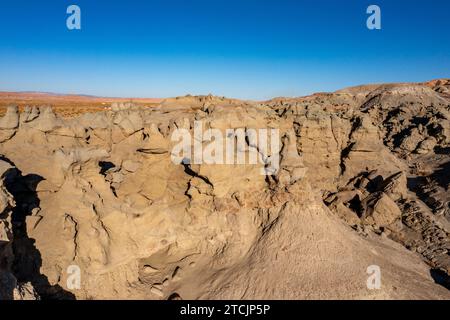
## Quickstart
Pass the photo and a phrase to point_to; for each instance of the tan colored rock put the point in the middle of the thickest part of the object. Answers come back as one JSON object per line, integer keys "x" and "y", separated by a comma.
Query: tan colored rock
{"x": 382, "y": 210}
{"x": 29, "y": 114}
{"x": 11, "y": 119}
{"x": 47, "y": 120}
{"x": 101, "y": 192}
{"x": 411, "y": 141}
{"x": 129, "y": 121}
{"x": 131, "y": 166}
{"x": 426, "y": 145}
{"x": 395, "y": 186}
{"x": 25, "y": 292}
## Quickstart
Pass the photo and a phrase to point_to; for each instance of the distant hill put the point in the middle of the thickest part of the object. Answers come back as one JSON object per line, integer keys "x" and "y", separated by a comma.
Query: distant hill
{"x": 50, "y": 97}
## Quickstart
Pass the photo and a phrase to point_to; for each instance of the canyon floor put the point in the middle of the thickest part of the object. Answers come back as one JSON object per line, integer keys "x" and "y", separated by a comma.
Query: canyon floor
{"x": 93, "y": 207}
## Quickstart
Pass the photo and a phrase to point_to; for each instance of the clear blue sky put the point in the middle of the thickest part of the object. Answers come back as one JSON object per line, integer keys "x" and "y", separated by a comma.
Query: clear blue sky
{"x": 239, "y": 48}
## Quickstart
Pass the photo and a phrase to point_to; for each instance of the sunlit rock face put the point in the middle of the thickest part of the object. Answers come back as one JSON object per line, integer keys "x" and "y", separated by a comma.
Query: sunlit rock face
{"x": 95, "y": 207}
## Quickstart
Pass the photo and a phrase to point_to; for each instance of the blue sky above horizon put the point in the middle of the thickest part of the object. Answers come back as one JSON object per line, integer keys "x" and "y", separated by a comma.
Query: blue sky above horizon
{"x": 251, "y": 49}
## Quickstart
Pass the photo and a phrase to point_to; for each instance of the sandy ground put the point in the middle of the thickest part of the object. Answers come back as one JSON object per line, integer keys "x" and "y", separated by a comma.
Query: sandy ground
{"x": 66, "y": 105}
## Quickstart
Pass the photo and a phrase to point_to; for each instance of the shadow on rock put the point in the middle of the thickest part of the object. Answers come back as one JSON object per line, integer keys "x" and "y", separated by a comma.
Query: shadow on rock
{"x": 440, "y": 277}
{"x": 27, "y": 258}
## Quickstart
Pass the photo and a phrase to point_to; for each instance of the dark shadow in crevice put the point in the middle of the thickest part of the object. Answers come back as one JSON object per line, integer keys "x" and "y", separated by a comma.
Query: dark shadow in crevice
{"x": 414, "y": 183}
{"x": 105, "y": 166}
{"x": 189, "y": 171}
{"x": 420, "y": 120}
{"x": 441, "y": 150}
{"x": 440, "y": 277}
{"x": 27, "y": 258}
{"x": 356, "y": 205}
{"x": 3, "y": 158}
{"x": 442, "y": 175}
{"x": 375, "y": 184}
{"x": 174, "y": 296}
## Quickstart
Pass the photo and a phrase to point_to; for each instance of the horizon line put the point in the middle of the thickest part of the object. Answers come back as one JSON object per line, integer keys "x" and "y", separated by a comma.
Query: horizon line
{"x": 91, "y": 96}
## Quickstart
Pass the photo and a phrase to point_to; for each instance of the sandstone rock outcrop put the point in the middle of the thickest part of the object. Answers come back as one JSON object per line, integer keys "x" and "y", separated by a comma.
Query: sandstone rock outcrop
{"x": 362, "y": 180}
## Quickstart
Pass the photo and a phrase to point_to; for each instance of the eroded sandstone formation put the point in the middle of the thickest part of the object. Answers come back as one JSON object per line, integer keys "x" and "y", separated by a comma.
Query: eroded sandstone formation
{"x": 363, "y": 180}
